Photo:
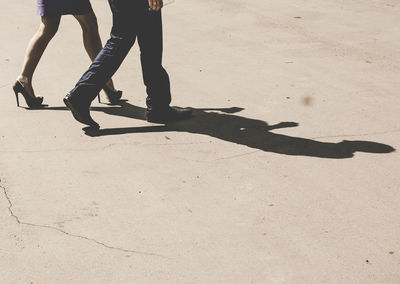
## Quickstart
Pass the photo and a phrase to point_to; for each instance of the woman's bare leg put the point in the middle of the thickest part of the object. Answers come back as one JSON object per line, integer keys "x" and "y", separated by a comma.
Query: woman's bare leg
{"x": 36, "y": 47}
{"x": 91, "y": 38}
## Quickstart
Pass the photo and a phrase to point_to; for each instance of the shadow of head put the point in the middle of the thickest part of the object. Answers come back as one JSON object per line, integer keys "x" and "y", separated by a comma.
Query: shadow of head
{"x": 366, "y": 146}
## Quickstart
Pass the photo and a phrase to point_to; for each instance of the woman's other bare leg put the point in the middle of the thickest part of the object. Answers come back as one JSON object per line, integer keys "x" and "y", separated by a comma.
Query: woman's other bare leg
{"x": 36, "y": 47}
{"x": 91, "y": 38}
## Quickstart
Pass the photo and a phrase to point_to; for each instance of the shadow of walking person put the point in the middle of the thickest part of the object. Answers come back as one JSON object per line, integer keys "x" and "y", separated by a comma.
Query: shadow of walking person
{"x": 222, "y": 124}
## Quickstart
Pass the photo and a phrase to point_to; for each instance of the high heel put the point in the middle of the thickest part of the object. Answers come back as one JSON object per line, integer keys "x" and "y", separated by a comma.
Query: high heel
{"x": 30, "y": 101}
{"x": 16, "y": 97}
{"x": 112, "y": 96}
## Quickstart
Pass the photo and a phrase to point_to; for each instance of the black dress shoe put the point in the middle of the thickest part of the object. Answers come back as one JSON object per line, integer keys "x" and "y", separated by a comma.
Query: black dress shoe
{"x": 170, "y": 115}
{"x": 80, "y": 110}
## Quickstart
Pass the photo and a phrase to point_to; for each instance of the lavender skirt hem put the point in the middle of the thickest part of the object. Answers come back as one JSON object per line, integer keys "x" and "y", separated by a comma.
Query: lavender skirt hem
{"x": 47, "y": 8}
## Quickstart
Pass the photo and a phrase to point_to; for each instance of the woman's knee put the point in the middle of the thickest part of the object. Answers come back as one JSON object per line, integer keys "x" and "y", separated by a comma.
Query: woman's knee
{"x": 88, "y": 23}
{"x": 49, "y": 27}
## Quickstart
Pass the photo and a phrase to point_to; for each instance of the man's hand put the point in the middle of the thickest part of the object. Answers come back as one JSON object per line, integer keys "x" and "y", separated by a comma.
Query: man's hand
{"x": 155, "y": 5}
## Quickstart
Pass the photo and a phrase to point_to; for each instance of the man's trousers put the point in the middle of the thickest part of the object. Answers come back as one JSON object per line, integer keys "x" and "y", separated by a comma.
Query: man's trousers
{"x": 131, "y": 19}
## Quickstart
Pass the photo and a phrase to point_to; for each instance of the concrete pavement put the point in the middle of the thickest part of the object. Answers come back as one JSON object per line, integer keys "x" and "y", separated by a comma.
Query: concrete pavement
{"x": 288, "y": 173}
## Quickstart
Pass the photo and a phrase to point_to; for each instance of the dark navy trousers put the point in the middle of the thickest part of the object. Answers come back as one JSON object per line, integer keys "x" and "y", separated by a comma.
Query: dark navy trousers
{"x": 131, "y": 19}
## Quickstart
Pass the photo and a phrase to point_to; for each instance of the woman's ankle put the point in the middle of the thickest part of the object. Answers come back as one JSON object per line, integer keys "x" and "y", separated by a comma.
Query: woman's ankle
{"x": 24, "y": 80}
{"x": 110, "y": 85}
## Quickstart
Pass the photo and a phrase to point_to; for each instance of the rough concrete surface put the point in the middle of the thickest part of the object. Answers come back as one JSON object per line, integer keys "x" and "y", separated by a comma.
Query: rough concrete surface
{"x": 258, "y": 187}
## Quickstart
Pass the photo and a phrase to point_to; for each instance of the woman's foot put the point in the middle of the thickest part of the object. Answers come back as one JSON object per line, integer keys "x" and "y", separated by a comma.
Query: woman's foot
{"x": 21, "y": 86}
{"x": 113, "y": 95}
{"x": 27, "y": 85}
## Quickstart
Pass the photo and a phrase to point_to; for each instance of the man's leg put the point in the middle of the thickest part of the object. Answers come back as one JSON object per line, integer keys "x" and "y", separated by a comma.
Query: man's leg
{"x": 155, "y": 77}
{"x": 91, "y": 38}
{"x": 104, "y": 66}
{"x": 107, "y": 62}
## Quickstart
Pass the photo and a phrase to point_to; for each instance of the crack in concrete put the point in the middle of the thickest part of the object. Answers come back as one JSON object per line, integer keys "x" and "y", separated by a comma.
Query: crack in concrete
{"x": 222, "y": 158}
{"x": 20, "y": 222}
{"x": 357, "y": 135}
{"x": 101, "y": 148}
{"x": 237, "y": 155}
{"x": 59, "y": 150}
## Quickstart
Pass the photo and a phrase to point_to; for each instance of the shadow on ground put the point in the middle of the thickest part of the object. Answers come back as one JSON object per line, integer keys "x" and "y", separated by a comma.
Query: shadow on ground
{"x": 223, "y": 124}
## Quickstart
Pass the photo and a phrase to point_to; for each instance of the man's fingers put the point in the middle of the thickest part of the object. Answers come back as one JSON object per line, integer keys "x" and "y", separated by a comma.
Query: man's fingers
{"x": 152, "y": 4}
{"x": 155, "y": 5}
{"x": 159, "y": 4}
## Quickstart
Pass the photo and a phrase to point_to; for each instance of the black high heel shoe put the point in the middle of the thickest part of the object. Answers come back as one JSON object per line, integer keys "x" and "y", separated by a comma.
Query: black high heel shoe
{"x": 112, "y": 96}
{"x": 30, "y": 101}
